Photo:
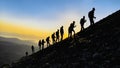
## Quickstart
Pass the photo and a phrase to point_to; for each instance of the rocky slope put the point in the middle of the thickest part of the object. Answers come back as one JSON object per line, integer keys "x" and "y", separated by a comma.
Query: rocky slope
{"x": 97, "y": 46}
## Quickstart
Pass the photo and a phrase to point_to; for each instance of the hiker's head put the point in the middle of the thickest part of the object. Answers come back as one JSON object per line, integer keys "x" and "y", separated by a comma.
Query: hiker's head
{"x": 83, "y": 16}
{"x": 73, "y": 22}
{"x": 62, "y": 27}
{"x": 93, "y": 9}
{"x": 57, "y": 29}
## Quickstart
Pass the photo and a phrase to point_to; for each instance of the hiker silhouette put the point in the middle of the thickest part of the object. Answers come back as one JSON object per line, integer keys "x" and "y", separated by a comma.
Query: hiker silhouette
{"x": 26, "y": 53}
{"x": 82, "y": 21}
{"x": 91, "y": 16}
{"x": 71, "y": 29}
{"x": 61, "y": 32}
{"x": 48, "y": 41}
{"x": 43, "y": 44}
{"x": 33, "y": 49}
{"x": 57, "y": 35}
{"x": 53, "y": 38}
{"x": 40, "y": 45}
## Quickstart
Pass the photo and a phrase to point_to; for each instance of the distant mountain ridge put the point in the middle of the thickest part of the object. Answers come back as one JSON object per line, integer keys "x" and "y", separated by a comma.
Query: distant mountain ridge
{"x": 17, "y": 41}
{"x": 12, "y": 49}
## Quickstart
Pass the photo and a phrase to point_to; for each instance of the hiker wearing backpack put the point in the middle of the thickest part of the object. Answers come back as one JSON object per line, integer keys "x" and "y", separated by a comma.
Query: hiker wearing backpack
{"x": 91, "y": 16}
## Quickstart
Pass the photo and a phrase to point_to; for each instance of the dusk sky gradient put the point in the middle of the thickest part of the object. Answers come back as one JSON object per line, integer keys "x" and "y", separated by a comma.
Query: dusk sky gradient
{"x": 37, "y": 19}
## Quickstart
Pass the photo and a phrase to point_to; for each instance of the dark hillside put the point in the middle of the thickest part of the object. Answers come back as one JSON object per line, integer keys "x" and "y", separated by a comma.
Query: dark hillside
{"x": 97, "y": 46}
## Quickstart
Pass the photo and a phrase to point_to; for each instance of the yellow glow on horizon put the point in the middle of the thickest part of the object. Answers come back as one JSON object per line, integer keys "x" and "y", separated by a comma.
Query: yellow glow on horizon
{"x": 27, "y": 33}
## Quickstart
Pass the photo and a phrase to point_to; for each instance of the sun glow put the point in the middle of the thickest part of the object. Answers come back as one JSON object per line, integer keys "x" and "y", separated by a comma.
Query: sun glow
{"x": 23, "y": 32}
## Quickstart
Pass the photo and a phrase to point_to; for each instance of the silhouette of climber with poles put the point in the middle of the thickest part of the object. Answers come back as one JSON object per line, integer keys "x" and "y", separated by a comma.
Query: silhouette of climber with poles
{"x": 91, "y": 16}
{"x": 40, "y": 45}
{"x": 48, "y": 41}
{"x": 61, "y": 32}
{"x": 82, "y": 21}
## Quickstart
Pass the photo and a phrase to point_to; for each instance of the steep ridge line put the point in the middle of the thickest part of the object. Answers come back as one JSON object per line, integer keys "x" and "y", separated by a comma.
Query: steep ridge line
{"x": 95, "y": 47}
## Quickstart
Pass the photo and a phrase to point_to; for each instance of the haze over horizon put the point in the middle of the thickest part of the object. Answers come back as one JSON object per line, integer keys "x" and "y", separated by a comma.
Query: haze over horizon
{"x": 37, "y": 19}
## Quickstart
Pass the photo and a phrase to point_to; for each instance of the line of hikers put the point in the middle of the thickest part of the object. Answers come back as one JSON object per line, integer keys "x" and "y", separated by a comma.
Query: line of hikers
{"x": 55, "y": 36}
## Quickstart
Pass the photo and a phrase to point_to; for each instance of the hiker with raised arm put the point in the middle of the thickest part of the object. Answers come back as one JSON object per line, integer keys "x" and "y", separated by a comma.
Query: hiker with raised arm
{"x": 91, "y": 16}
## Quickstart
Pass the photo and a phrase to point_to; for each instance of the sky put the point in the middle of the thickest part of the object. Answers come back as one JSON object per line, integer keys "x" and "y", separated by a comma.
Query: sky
{"x": 37, "y": 19}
